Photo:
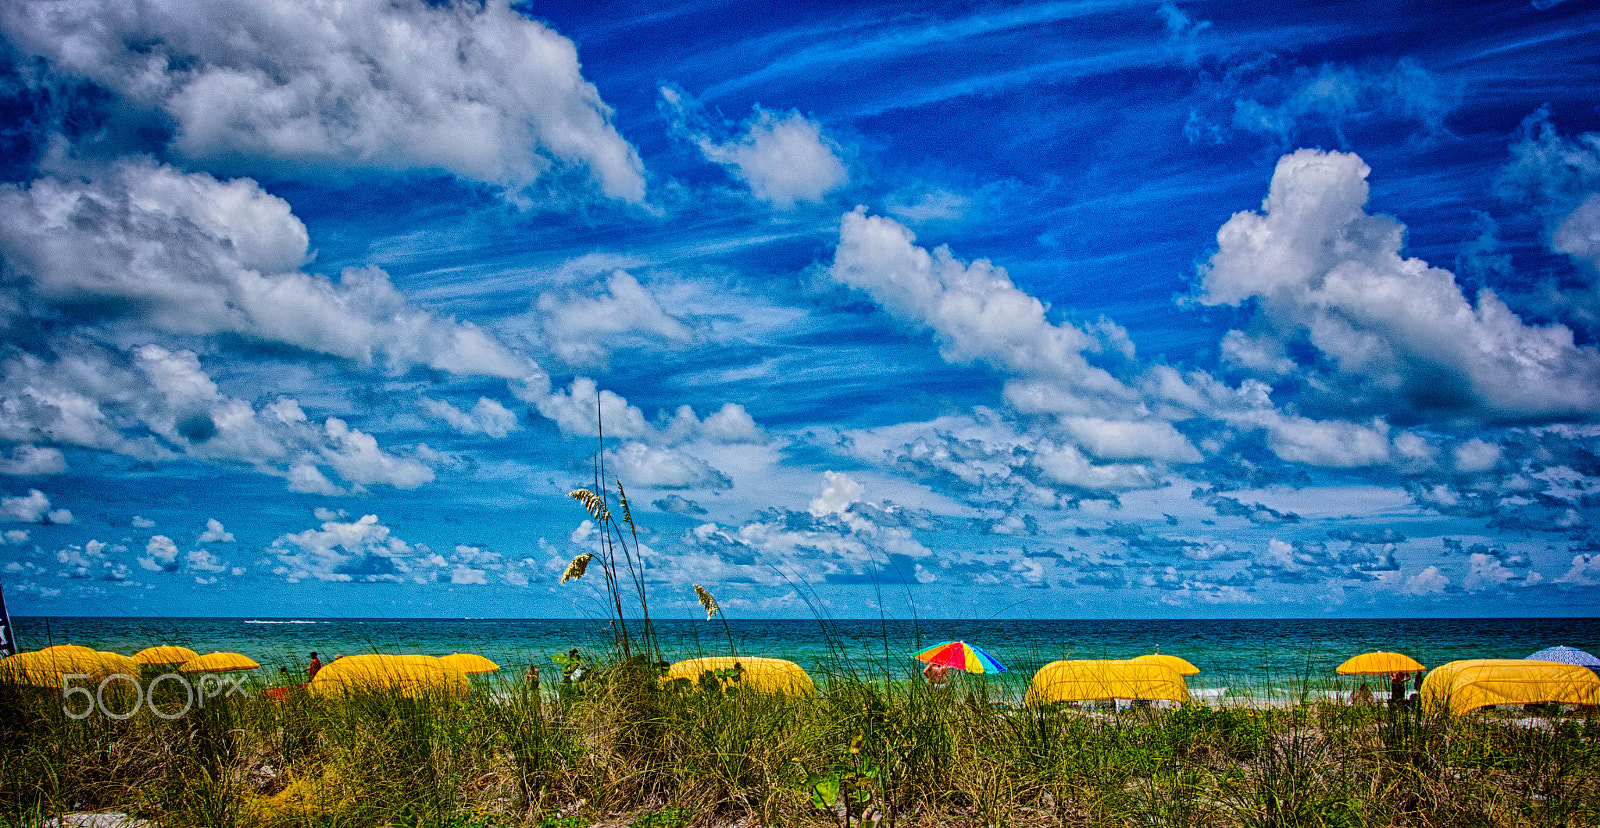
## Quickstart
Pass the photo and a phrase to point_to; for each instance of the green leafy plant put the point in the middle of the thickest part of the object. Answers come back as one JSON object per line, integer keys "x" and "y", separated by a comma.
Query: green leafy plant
{"x": 664, "y": 818}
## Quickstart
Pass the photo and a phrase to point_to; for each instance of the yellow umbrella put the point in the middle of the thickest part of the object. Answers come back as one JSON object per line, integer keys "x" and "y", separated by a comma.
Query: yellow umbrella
{"x": 469, "y": 663}
{"x": 218, "y": 663}
{"x": 412, "y": 676}
{"x": 1463, "y": 686}
{"x": 1063, "y": 681}
{"x": 50, "y": 666}
{"x": 1375, "y": 664}
{"x": 1178, "y": 665}
{"x": 120, "y": 664}
{"x": 66, "y": 648}
{"x": 762, "y": 675}
{"x": 164, "y": 654}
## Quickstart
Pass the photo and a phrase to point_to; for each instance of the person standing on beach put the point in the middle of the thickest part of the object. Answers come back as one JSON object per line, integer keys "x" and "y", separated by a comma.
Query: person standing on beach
{"x": 1397, "y": 690}
{"x": 313, "y": 667}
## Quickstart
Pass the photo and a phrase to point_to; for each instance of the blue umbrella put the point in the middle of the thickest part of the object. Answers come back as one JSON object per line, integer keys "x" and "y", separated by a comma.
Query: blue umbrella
{"x": 1566, "y": 655}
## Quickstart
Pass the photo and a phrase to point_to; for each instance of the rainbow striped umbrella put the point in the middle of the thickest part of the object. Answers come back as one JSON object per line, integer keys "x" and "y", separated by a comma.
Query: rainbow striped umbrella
{"x": 961, "y": 656}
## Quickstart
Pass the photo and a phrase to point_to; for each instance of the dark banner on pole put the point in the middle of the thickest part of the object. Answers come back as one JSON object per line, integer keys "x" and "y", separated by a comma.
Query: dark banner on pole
{"x": 8, "y": 644}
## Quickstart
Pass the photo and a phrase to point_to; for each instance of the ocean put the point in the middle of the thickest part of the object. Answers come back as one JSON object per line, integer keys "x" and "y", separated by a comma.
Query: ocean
{"x": 1238, "y": 659}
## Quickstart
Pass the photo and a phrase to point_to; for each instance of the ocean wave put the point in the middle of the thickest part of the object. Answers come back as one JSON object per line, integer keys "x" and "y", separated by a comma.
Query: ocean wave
{"x": 285, "y": 622}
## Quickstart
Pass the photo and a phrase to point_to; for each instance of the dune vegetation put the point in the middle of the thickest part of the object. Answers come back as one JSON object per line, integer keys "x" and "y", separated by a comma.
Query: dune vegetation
{"x": 618, "y": 745}
{"x": 621, "y": 748}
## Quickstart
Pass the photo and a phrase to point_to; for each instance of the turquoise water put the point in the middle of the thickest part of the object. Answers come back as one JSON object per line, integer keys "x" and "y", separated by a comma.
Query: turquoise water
{"x": 1257, "y": 659}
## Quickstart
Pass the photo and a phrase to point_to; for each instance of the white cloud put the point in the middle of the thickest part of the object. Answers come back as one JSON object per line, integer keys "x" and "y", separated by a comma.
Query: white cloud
{"x": 29, "y": 461}
{"x": 487, "y": 417}
{"x": 189, "y": 254}
{"x": 156, "y": 404}
{"x": 582, "y": 330}
{"x": 1391, "y": 334}
{"x": 1123, "y": 440}
{"x": 1487, "y": 573}
{"x": 1066, "y": 465}
{"x": 33, "y": 507}
{"x": 473, "y": 89}
{"x": 783, "y": 158}
{"x": 1476, "y": 455}
{"x": 730, "y": 424}
{"x": 306, "y": 478}
{"x": 358, "y": 459}
{"x": 360, "y": 550}
{"x": 1331, "y": 443}
{"x": 839, "y": 493}
{"x": 1282, "y": 556}
{"x": 214, "y": 533}
{"x": 1429, "y": 581}
{"x": 205, "y": 561}
{"x": 640, "y": 464}
{"x": 574, "y": 410}
{"x": 15, "y": 537}
{"x": 467, "y": 575}
{"x": 977, "y": 314}
{"x": 161, "y": 554}
{"x": 30, "y": 587}
{"x": 1585, "y": 571}
{"x": 139, "y": 522}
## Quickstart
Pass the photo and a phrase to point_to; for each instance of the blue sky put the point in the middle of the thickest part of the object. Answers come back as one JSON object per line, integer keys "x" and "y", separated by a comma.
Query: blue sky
{"x": 1078, "y": 309}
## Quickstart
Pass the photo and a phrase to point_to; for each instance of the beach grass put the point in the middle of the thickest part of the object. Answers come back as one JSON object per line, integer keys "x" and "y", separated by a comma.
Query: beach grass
{"x": 621, "y": 748}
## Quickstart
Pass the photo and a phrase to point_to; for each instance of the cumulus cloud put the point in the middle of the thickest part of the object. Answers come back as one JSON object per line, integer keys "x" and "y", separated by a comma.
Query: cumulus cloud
{"x": 156, "y": 405}
{"x": 1476, "y": 455}
{"x": 662, "y": 467}
{"x": 839, "y": 493}
{"x": 783, "y": 158}
{"x": 32, "y": 461}
{"x": 204, "y": 561}
{"x": 841, "y": 538}
{"x": 729, "y": 424}
{"x": 1124, "y": 440}
{"x": 679, "y": 504}
{"x": 1390, "y": 335}
{"x": 1493, "y": 567}
{"x": 1585, "y": 571}
{"x": 472, "y": 89}
{"x": 214, "y": 533}
{"x": 186, "y": 253}
{"x": 487, "y": 417}
{"x": 978, "y": 315}
{"x": 359, "y": 550}
{"x": 306, "y": 478}
{"x": 1303, "y": 562}
{"x": 574, "y": 409}
{"x": 1066, "y": 465}
{"x": 583, "y": 330}
{"x": 1430, "y": 581}
{"x": 33, "y": 507}
{"x": 358, "y": 459}
{"x": 161, "y": 554}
